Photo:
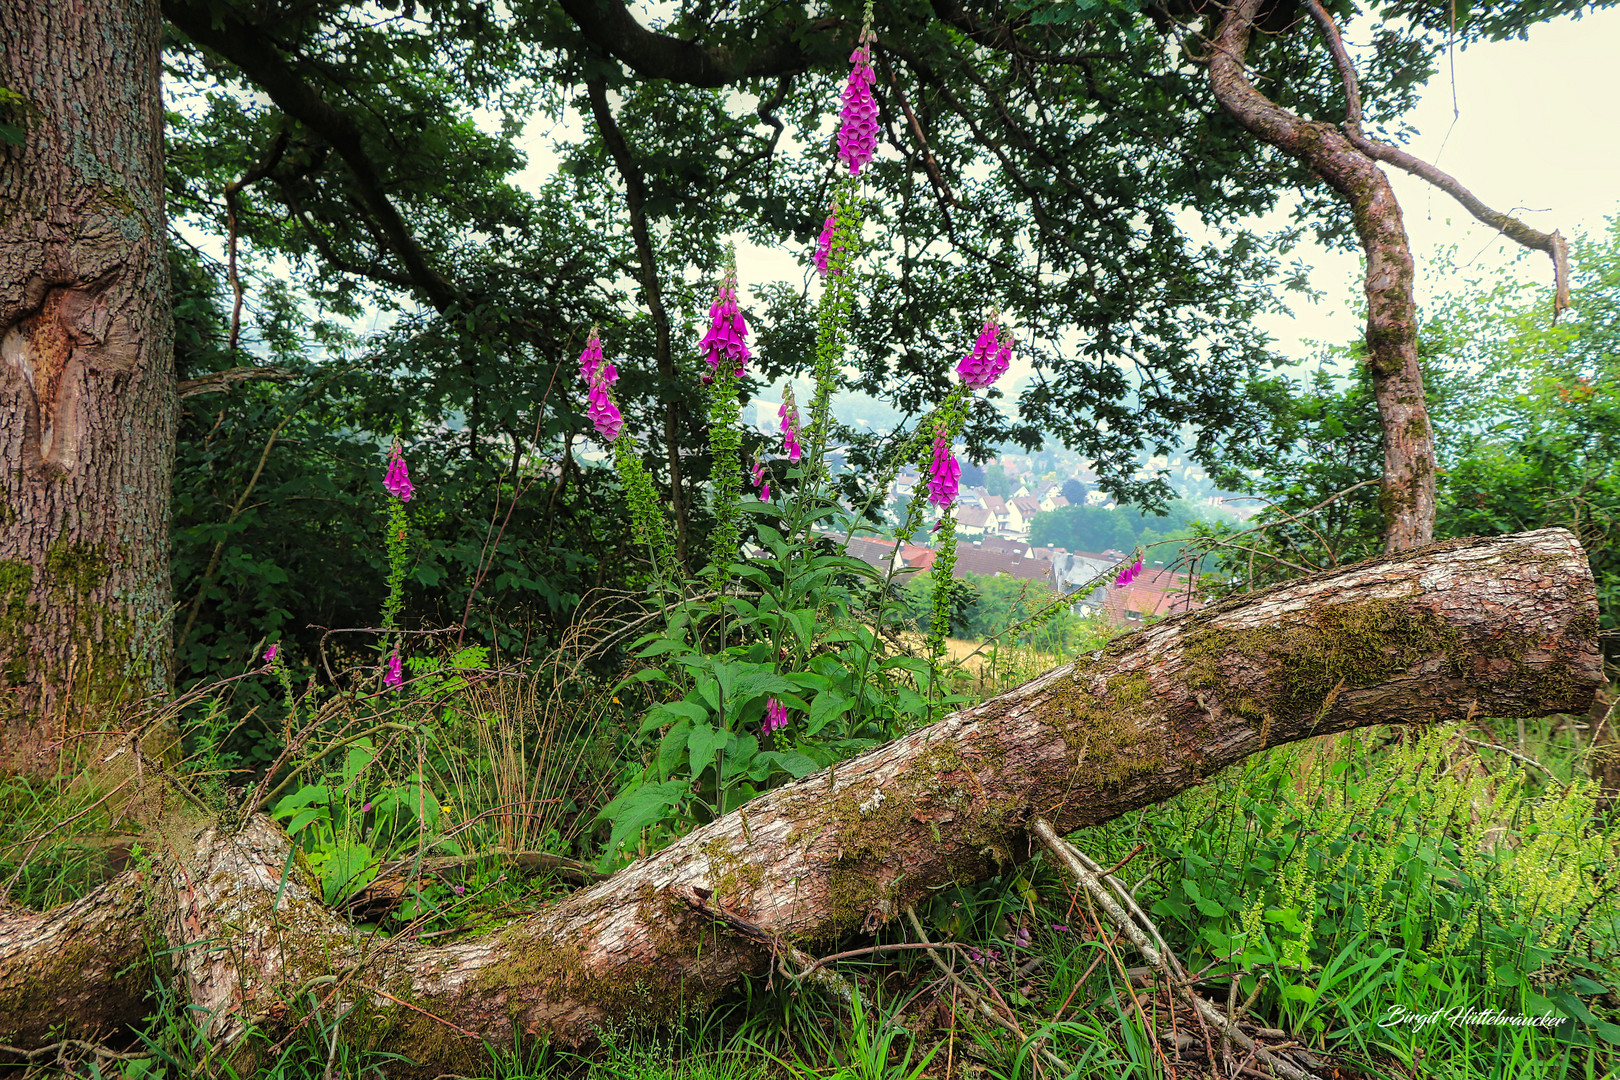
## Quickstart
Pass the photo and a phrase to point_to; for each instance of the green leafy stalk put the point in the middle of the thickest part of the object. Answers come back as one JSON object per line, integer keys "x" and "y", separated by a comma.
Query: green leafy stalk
{"x": 398, "y": 555}
{"x": 725, "y": 445}
{"x": 832, "y": 321}
{"x": 939, "y": 627}
{"x": 647, "y": 522}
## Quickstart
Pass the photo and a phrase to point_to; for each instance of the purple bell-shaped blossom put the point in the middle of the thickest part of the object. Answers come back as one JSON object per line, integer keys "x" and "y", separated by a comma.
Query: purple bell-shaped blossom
{"x": 789, "y": 413}
{"x": 605, "y": 415}
{"x": 726, "y": 339}
{"x": 398, "y": 478}
{"x": 1129, "y": 574}
{"x": 775, "y": 716}
{"x": 944, "y": 474}
{"x": 857, "y": 134}
{"x": 989, "y": 359}
{"x": 824, "y": 245}
{"x": 393, "y": 677}
{"x": 599, "y": 375}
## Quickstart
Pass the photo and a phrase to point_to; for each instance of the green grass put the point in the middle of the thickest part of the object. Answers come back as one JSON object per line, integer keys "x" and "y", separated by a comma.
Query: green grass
{"x": 1335, "y": 882}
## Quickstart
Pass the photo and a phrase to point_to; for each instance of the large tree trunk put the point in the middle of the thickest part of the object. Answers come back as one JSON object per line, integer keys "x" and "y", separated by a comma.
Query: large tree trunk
{"x": 1408, "y": 496}
{"x": 1504, "y": 626}
{"x": 86, "y": 371}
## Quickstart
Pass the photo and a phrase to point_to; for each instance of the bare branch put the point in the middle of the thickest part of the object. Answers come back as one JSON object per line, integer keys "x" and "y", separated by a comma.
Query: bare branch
{"x": 1553, "y": 243}
{"x": 220, "y": 381}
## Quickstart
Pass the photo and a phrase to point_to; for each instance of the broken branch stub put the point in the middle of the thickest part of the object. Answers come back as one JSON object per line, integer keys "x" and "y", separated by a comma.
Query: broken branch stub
{"x": 1503, "y": 626}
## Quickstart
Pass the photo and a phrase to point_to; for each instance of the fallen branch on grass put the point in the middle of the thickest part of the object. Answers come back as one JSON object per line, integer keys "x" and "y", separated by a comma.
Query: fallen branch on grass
{"x": 1114, "y": 899}
{"x": 1504, "y": 626}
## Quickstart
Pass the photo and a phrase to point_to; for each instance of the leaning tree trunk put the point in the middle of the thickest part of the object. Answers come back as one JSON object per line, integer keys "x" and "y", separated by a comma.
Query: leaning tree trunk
{"x": 1504, "y": 626}
{"x": 86, "y": 381}
{"x": 1408, "y": 494}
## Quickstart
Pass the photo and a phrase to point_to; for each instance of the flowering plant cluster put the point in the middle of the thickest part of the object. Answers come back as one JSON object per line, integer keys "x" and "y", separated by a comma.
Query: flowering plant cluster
{"x": 944, "y": 473}
{"x": 857, "y": 135}
{"x": 775, "y": 716}
{"x": 1129, "y": 574}
{"x": 599, "y": 376}
{"x": 761, "y": 484}
{"x": 789, "y": 415}
{"x": 397, "y": 482}
{"x": 736, "y": 660}
{"x": 824, "y": 247}
{"x": 725, "y": 342}
{"x": 989, "y": 359}
{"x": 398, "y": 478}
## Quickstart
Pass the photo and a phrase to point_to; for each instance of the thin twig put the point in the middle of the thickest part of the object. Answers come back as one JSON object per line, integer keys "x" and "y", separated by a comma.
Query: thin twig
{"x": 1515, "y": 755}
{"x": 1155, "y": 954}
{"x": 1553, "y": 243}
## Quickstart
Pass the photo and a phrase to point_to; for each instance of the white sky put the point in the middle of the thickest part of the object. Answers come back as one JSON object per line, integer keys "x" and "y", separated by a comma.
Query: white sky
{"x": 1536, "y": 136}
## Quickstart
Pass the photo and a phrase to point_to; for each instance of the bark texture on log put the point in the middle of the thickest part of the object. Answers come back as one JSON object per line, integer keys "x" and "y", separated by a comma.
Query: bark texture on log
{"x": 1408, "y": 498}
{"x": 87, "y": 395}
{"x": 1503, "y": 626}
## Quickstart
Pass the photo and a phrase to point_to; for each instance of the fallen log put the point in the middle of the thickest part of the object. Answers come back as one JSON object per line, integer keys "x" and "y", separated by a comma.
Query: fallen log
{"x": 1504, "y": 626}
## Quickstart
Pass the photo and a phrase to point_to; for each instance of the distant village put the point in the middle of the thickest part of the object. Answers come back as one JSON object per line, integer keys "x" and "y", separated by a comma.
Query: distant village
{"x": 995, "y": 541}
{"x": 994, "y": 529}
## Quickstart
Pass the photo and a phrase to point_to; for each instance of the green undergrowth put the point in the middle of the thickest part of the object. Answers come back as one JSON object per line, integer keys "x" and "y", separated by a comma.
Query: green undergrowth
{"x": 1370, "y": 894}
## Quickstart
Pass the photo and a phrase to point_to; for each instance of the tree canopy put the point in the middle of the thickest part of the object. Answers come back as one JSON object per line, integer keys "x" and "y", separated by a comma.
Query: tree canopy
{"x": 1067, "y": 162}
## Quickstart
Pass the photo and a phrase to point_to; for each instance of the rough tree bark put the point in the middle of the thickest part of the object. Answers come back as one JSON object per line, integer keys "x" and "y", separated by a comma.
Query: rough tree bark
{"x": 87, "y": 387}
{"x": 1348, "y": 161}
{"x": 1505, "y": 626}
{"x": 1408, "y": 495}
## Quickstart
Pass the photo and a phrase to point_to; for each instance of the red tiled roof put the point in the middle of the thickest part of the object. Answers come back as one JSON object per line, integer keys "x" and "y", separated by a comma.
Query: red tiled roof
{"x": 872, "y": 550}
{"x": 1007, "y": 546}
{"x": 974, "y": 560}
{"x": 918, "y": 556}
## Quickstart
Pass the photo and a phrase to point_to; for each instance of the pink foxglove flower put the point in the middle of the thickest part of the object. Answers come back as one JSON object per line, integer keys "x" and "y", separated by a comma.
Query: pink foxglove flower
{"x": 603, "y": 413}
{"x": 989, "y": 358}
{"x": 789, "y": 412}
{"x": 824, "y": 245}
{"x": 398, "y": 478}
{"x": 765, "y": 492}
{"x": 775, "y": 716}
{"x": 857, "y": 135}
{"x": 599, "y": 375}
{"x": 270, "y": 653}
{"x": 727, "y": 331}
{"x": 1128, "y": 575}
{"x": 591, "y": 366}
{"x": 943, "y": 477}
{"x": 590, "y": 361}
{"x": 392, "y": 677}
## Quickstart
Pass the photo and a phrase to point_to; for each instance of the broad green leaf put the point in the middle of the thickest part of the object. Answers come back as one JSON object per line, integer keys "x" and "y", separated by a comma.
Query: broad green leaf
{"x": 671, "y": 749}
{"x": 827, "y": 707}
{"x": 701, "y": 746}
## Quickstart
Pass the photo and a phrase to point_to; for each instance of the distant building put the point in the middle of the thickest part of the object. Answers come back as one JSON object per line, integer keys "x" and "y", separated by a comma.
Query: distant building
{"x": 975, "y": 521}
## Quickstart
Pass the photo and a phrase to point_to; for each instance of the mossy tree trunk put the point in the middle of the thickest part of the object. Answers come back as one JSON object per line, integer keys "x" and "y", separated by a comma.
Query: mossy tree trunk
{"x": 1505, "y": 626}
{"x": 87, "y": 390}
